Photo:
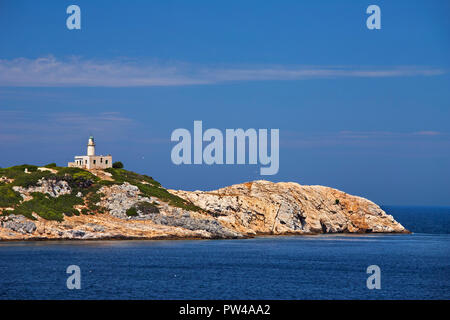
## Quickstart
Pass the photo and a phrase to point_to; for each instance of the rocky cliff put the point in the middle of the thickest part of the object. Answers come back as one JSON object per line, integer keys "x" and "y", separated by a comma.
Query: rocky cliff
{"x": 60, "y": 203}
{"x": 263, "y": 207}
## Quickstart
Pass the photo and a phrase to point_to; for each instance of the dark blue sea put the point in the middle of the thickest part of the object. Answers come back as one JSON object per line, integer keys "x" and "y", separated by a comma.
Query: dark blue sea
{"x": 415, "y": 266}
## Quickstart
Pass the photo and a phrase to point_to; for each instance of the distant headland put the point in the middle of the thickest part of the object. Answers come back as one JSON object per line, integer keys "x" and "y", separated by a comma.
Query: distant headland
{"x": 94, "y": 198}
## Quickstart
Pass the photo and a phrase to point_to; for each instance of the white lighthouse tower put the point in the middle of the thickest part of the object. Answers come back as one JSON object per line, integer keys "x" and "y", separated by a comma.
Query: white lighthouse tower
{"x": 91, "y": 147}
{"x": 91, "y": 161}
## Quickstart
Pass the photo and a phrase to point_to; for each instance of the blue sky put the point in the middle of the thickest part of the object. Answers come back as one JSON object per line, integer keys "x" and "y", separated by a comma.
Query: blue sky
{"x": 365, "y": 111}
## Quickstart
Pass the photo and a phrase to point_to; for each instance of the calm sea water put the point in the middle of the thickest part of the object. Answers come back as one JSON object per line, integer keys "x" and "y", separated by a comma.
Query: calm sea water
{"x": 413, "y": 266}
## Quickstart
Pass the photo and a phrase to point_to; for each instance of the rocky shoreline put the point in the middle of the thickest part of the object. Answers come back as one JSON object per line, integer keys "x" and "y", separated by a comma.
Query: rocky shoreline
{"x": 258, "y": 208}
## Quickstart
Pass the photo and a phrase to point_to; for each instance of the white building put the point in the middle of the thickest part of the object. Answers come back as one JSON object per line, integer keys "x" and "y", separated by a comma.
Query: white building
{"x": 91, "y": 161}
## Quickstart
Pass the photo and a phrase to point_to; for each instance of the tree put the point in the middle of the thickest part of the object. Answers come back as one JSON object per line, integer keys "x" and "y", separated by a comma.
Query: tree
{"x": 118, "y": 165}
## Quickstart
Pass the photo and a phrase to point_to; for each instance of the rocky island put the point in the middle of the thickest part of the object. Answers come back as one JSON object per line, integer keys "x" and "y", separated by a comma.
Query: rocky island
{"x": 58, "y": 203}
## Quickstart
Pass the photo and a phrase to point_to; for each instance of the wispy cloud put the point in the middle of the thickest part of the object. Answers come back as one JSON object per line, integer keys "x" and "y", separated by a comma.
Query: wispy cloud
{"x": 52, "y": 72}
{"x": 30, "y": 126}
{"x": 427, "y": 133}
{"x": 96, "y": 120}
{"x": 363, "y": 141}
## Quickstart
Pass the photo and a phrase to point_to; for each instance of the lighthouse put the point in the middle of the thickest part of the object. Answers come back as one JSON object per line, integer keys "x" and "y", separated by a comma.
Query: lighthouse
{"x": 90, "y": 160}
{"x": 91, "y": 147}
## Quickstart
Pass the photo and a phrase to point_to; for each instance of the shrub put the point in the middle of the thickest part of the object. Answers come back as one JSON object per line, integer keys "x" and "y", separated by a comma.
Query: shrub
{"x": 30, "y": 179}
{"x": 117, "y": 165}
{"x": 132, "y": 212}
{"x": 8, "y": 197}
{"x": 13, "y": 172}
{"x": 336, "y": 201}
{"x": 50, "y": 165}
{"x": 147, "y": 207}
{"x": 48, "y": 207}
{"x": 77, "y": 173}
{"x": 93, "y": 198}
{"x": 122, "y": 175}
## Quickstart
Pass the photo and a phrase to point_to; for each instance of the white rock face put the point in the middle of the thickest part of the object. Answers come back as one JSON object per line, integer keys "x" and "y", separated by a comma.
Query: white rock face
{"x": 283, "y": 208}
{"x": 18, "y": 224}
{"x": 53, "y": 188}
{"x": 119, "y": 198}
{"x": 6, "y": 180}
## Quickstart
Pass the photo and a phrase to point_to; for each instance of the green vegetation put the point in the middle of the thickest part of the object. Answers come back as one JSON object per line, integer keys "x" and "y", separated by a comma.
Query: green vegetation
{"x": 48, "y": 207}
{"x": 336, "y": 201}
{"x": 77, "y": 173}
{"x": 30, "y": 179}
{"x": 14, "y": 172}
{"x": 93, "y": 197}
{"x": 144, "y": 207}
{"x": 122, "y": 175}
{"x": 44, "y": 205}
{"x": 8, "y": 197}
{"x": 80, "y": 181}
{"x": 51, "y": 165}
{"x": 117, "y": 165}
{"x": 147, "y": 207}
{"x": 132, "y": 212}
